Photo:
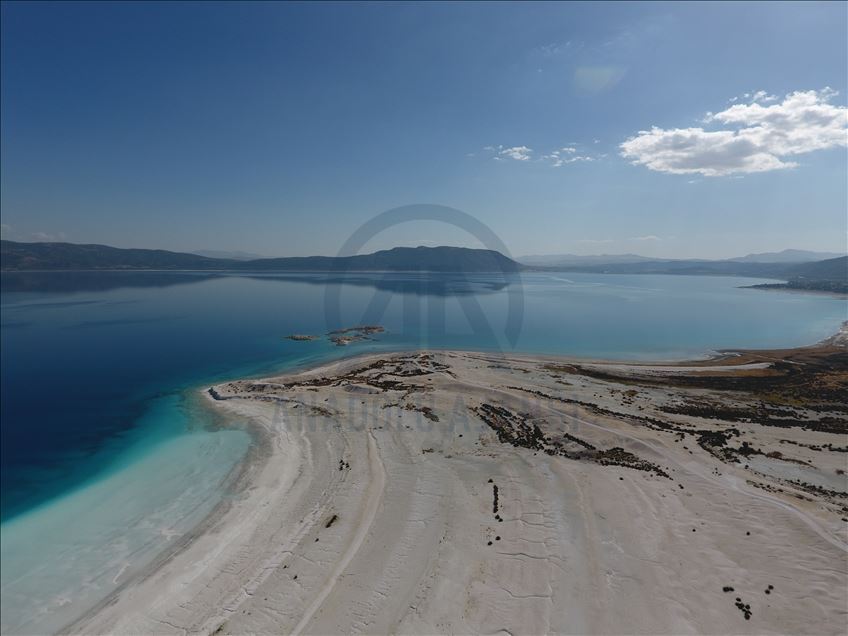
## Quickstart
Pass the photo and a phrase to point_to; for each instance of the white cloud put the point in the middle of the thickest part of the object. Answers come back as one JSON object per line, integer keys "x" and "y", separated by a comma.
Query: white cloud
{"x": 762, "y": 96}
{"x": 757, "y": 138}
{"x": 556, "y": 158}
{"x": 649, "y": 237}
{"x": 757, "y": 96}
{"x": 575, "y": 159}
{"x": 519, "y": 153}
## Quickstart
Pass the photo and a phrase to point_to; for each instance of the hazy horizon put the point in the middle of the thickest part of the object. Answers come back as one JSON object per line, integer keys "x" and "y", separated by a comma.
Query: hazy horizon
{"x": 240, "y": 255}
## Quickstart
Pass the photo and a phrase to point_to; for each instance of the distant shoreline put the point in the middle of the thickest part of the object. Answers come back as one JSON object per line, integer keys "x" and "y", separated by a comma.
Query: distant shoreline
{"x": 784, "y": 286}
{"x": 18, "y": 256}
{"x": 829, "y": 288}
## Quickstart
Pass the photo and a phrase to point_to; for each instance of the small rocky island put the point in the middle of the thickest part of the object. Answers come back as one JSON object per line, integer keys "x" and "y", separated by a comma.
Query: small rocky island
{"x": 343, "y": 337}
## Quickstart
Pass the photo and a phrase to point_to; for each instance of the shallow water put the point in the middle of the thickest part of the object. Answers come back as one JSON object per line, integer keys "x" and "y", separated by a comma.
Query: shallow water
{"x": 105, "y": 463}
{"x": 65, "y": 555}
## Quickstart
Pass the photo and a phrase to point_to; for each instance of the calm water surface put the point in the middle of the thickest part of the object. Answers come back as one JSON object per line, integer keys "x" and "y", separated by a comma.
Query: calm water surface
{"x": 100, "y": 432}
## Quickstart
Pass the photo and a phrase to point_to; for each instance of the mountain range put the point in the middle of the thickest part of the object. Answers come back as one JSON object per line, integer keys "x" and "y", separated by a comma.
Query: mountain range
{"x": 70, "y": 256}
{"x": 559, "y": 260}
{"x": 787, "y": 256}
{"x": 834, "y": 268}
{"x": 830, "y": 274}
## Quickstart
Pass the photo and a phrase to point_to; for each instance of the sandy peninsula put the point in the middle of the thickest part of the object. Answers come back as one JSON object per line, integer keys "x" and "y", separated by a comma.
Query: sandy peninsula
{"x": 454, "y": 492}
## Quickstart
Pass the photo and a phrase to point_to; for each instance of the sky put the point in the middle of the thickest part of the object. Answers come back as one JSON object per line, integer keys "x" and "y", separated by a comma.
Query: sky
{"x": 674, "y": 129}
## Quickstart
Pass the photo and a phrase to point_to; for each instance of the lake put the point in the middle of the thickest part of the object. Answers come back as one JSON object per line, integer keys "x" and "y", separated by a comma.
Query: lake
{"x": 107, "y": 458}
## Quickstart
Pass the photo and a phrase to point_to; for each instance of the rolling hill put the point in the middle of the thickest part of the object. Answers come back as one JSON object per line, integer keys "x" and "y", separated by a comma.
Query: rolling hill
{"x": 69, "y": 256}
{"x": 834, "y": 269}
{"x": 787, "y": 256}
{"x": 830, "y": 275}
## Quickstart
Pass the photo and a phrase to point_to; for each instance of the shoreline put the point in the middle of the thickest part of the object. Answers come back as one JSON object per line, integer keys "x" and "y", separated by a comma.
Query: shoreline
{"x": 236, "y": 482}
{"x": 257, "y": 486}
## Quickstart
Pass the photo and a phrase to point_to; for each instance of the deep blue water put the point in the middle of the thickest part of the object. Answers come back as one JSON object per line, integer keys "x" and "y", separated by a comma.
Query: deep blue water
{"x": 83, "y": 354}
{"x": 108, "y": 456}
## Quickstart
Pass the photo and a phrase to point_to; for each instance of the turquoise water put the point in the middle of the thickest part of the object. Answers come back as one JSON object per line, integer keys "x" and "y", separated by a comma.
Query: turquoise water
{"x": 107, "y": 461}
{"x": 64, "y": 556}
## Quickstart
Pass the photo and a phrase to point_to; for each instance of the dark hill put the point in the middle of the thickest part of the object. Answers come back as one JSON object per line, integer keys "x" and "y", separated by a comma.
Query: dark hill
{"x": 69, "y": 256}
{"x": 833, "y": 269}
{"x": 432, "y": 259}
{"x": 830, "y": 275}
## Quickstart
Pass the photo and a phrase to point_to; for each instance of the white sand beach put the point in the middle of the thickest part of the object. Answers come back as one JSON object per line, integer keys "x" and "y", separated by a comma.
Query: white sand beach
{"x": 450, "y": 492}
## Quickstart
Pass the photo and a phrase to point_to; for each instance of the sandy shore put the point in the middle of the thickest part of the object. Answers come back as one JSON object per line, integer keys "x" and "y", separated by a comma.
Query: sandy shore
{"x": 435, "y": 492}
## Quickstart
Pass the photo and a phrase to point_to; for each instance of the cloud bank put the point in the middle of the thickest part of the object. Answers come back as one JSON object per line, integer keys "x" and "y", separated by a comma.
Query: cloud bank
{"x": 755, "y": 138}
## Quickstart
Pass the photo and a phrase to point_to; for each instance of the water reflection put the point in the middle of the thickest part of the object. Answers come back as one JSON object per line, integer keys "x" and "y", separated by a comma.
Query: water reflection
{"x": 49, "y": 282}
{"x": 422, "y": 284}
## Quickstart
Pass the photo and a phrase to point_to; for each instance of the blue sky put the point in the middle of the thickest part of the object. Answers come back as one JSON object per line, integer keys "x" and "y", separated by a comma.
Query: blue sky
{"x": 280, "y": 128}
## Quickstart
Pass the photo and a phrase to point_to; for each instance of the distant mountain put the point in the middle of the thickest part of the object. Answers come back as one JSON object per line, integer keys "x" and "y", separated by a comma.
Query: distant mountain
{"x": 689, "y": 267}
{"x": 599, "y": 260}
{"x": 432, "y": 259}
{"x": 830, "y": 275}
{"x": 833, "y": 269}
{"x": 787, "y": 256}
{"x": 750, "y": 265}
{"x": 69, "y": 256}
{"x": 554, "y": 260}
{"x": 236, "y": 256}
